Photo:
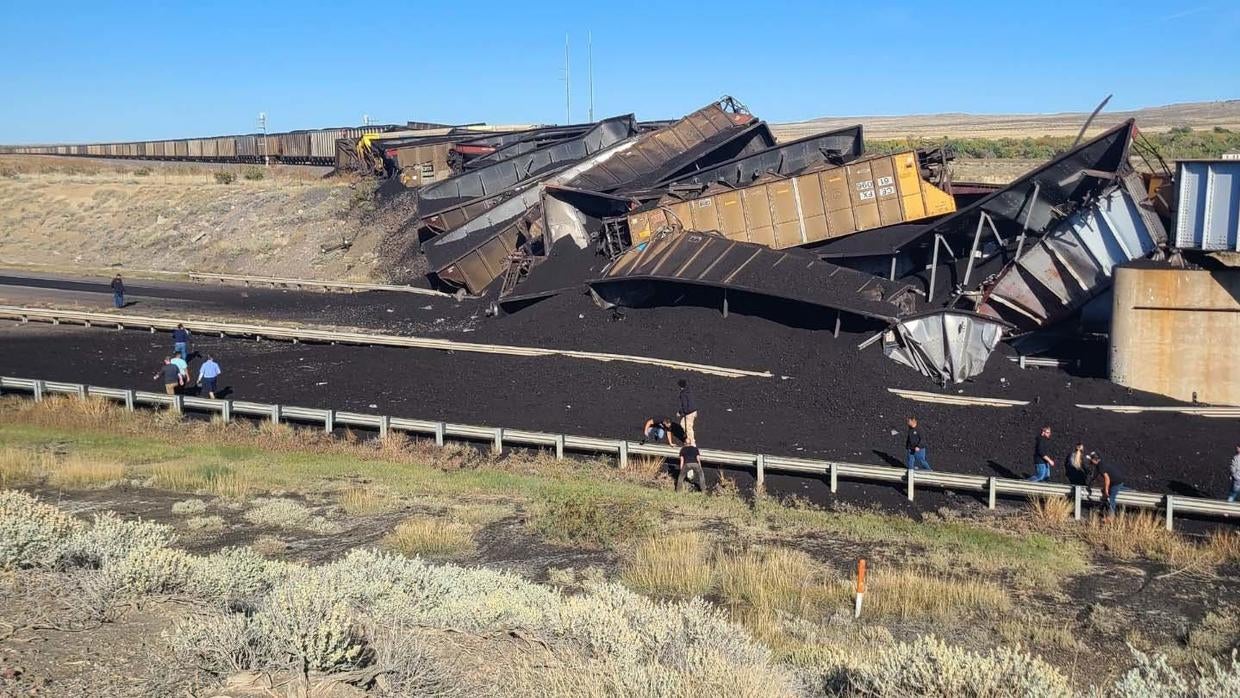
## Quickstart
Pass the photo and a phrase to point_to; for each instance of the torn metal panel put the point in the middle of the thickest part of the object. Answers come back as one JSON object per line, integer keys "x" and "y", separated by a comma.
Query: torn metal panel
{"x": 675, "y": 147}
{"x": 709, "y": 260}
{"x": 525, "y": 142}
{"x": 503, "y": 175}
{"x": 948, "y": 346}
{"x": 806, "y": 208}
{"x": 830, "y": 148}
{"x": 1073, "y": 262}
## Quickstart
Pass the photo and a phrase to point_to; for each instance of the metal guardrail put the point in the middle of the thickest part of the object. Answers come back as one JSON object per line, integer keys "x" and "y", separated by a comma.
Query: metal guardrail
{"x": 1202, "y": 411}
{"x": 285, "y": 282}
{"x": 499, "y": 437}
{"x": 299, "y": 334}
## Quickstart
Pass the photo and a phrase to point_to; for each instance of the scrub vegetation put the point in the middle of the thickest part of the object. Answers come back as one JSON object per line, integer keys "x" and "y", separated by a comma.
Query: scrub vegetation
{"x": 396, "y": 568}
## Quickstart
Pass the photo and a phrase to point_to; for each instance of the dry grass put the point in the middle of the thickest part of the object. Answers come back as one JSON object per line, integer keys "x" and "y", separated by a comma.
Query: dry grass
{"x": 1036, "y": 631}
{"x": 1051, "y": 511}
{"x": 647, "y": 467}
{"x": 480, "y": 515}
{"x": 431, "y": 537}
{"x": 77, "y": 472}
{"x": 777, "y": 579}
{"x": 217, "y": 480}
{"x": 364, "y": 501}
{"x": 1143, "y": 534}
{"x": 675, "y": 566}
{"x": 269, "y": 546}
{"x": 911, "y": 593}
{"x": 18, "y": 466}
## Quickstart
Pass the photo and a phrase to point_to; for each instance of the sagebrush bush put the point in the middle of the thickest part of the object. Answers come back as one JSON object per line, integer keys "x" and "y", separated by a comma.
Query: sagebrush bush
{"x": 1154, "y": 677}
{"x": 589, "y": 519}
{"x": 308, "y": 621}
{"x": 225, "y": 178}
{"x": 236, "y": 577}
{"x": 150, "y": 571}
{"x": 930, "y": 668}
{"x": 111, "y": 538}
{"x": 32, "y": 534}
{"x": 280, "y": 512}
{"x": 189, "y": 507}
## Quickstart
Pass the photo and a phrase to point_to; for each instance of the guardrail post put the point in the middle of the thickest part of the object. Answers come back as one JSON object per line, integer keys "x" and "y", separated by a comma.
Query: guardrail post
{"x": 226, "y": 411}
{"x": 276, "y": 413}
{"x": 760, "y": 472}
{"x": 559, "y": 446}
{"x": 178, "y": 404}
{"x": 441, "y": 430}
{"x": 1170, "y": 513}
{"x": 38, "y": 389}
{"x": 909, "y": 486}
{"x": 624, "y": 455}
{"x": 131, "y": 397}
{"x": 81, "y": 391}
{"x": 385, "y": 426}
{"x": 833, "y": 477}
{"x": 497, "y": 445}
{"x": 329, "y": 421}
{"x": 1077, "y": 496}
{"x": 990, "y": 492}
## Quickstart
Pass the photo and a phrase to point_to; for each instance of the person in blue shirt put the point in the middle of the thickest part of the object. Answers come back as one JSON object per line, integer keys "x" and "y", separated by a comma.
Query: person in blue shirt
{"x": 207, "y": 375}
{"x": 180, "y": 341}
{"x": 118, "y": 291}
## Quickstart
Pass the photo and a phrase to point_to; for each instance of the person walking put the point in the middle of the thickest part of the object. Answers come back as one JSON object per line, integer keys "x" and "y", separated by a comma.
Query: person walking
{"x": 1042, "y": 460}
{"x": 1076, "y": 466}
{"x": 690, "y": 467}
{"x": 118, "y": 291}
{"x": 170, "y": 374}
{"x": 180, "y": 341}
{"x": 1112, "y": 480}
{"x": 915, "y": 447}
{"x": 688, "y": 411}
{"x": 208, "y": 372}
{"x": 1235, "y": 476}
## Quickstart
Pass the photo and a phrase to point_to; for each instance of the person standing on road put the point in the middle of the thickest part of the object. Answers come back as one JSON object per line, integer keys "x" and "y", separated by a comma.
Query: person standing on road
{"x": 688, "y": 411}
{"x": 690, "y": 467}
{"x": 180, "y": 341}
{"x": 1112, "y": 480}
{"x": 915, "y": 448}
{"x": 170, "y": 374}
{"x": 1042, "y": 460}
{"x": 208, "y": 372}
{"x": 118, "y": 291}
{"x": 1235, "y": 476}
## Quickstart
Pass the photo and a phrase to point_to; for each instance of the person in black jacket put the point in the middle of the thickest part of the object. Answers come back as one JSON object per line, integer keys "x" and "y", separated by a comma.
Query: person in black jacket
{"x": 690, "y": 467}
{"x": 915, "y": 447}
{"x": 688, "y": 411}
{"x": 118, "y": 291}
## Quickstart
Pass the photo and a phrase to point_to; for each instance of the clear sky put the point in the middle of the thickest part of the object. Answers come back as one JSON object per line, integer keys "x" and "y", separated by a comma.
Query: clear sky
{"x": 98, "y": 71}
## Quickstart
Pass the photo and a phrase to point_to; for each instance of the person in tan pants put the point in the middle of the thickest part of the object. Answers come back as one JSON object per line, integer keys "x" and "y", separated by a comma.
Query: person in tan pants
{"x": 170, "y": 373}
{"x": 688, "y": 411}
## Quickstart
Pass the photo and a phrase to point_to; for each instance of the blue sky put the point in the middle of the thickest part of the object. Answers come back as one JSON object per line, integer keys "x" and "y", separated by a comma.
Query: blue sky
{"x": 97, "y": 71}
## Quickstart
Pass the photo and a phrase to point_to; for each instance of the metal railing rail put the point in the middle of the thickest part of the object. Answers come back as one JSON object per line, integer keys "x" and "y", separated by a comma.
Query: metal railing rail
{"x": 1200, "y": 411}
{"x": 122, "y": 321}
{"x": 500, "y": 437}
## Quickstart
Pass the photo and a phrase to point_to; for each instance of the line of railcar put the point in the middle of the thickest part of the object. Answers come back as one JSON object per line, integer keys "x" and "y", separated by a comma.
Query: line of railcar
{"x": 304, "y": 147}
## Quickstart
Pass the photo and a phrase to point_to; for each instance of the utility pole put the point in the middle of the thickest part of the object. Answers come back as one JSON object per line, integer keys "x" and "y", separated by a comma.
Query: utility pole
{"x": 590, "y": 68}
{"x": 365, "y": 119}
{"x": 262, "y": 127}
{"x": 568, "y": 85}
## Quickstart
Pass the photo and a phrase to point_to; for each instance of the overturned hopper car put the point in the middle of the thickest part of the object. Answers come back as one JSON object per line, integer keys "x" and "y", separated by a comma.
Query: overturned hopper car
{"x": 807, "y": 208}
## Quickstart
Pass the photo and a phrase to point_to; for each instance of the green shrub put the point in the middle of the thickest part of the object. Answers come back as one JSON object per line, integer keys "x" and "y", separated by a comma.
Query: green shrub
{"x": 253, "y": 174}
{"x": 580, "y": 518}
{"x": 142, "y": 172}
{"x": 225, "y": 178}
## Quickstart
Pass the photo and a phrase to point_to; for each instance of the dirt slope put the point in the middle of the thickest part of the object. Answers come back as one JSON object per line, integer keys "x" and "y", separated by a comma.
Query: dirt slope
{"x": 74, "y": 213}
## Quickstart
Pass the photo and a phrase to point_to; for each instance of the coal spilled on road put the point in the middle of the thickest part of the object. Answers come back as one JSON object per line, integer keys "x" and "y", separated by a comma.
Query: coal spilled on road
{"x": 826, "y": 398}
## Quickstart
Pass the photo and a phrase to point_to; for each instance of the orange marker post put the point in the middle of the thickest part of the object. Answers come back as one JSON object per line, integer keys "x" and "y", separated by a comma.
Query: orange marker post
{"x": 860, "y": 587}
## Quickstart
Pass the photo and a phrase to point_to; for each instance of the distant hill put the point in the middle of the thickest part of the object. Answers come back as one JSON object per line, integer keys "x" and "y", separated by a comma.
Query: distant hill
{"x": 1195, "y": 115}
